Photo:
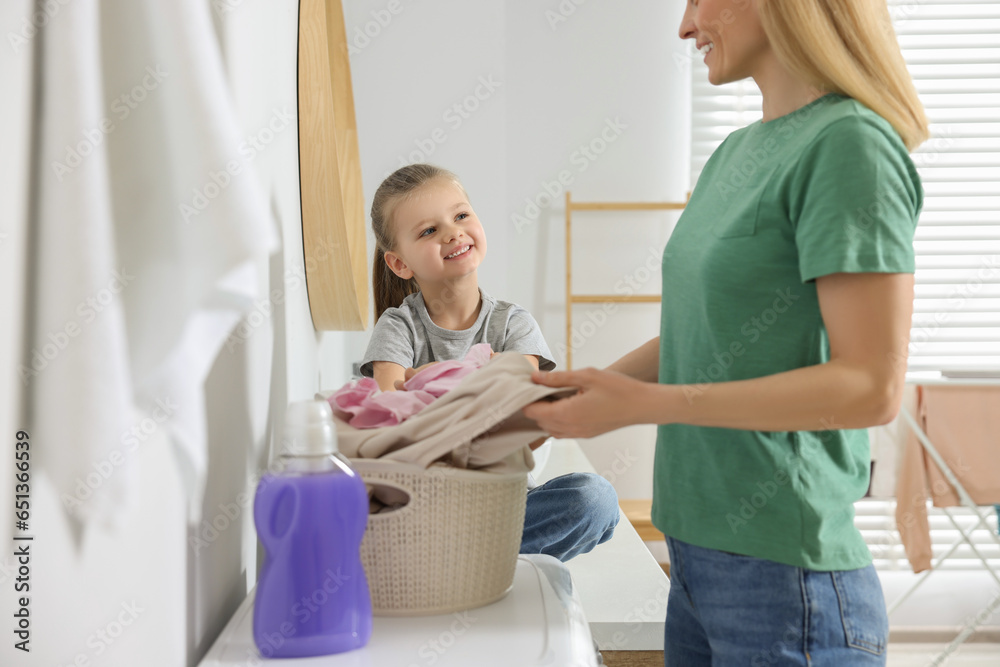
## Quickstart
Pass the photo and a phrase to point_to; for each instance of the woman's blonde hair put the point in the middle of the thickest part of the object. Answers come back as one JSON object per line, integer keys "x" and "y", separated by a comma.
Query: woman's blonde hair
{"x": 389, "y": 289}
{"x": 848, "y": 47}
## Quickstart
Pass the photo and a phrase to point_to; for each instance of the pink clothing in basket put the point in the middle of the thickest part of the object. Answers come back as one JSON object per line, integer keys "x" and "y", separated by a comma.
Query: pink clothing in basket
{"x": 363, "y": 405}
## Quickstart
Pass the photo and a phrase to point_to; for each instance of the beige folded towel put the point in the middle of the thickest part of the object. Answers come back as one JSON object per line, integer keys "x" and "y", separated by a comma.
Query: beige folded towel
{"x": 477, "y": 425}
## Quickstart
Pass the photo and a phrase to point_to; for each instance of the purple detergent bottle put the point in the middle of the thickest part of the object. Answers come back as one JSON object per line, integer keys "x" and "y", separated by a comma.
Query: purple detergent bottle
{"x": 311, "y": 510}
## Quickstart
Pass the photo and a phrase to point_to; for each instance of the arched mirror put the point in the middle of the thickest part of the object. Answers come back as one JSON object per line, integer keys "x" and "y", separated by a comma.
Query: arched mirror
{"x": 333, "y": 217}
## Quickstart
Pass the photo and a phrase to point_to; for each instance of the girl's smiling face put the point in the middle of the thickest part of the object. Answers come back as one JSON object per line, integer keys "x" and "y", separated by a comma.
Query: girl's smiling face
{"x": 729, "y": 35}
{"x": 438, "y": 235}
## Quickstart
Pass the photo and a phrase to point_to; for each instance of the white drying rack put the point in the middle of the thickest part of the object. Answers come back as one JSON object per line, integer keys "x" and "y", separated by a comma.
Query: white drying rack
{"x": 966, "y": 501}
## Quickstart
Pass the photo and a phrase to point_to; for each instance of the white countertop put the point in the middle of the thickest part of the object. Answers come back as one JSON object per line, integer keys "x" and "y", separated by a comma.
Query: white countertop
{"x": 622, "y": 588}
{"x": 538, "y": 623}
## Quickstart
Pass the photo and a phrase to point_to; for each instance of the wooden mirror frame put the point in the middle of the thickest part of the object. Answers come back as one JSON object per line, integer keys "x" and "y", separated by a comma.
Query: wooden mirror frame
{"x": 333, "y": 216}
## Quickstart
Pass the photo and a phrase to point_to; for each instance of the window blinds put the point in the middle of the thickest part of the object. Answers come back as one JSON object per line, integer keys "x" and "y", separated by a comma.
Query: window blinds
{"x": 952, "y": 49}
{"x": 877, "y": 523}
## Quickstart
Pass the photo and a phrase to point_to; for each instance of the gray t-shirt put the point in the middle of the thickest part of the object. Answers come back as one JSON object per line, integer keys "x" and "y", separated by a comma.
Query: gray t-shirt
{"x": 407, "y": 336}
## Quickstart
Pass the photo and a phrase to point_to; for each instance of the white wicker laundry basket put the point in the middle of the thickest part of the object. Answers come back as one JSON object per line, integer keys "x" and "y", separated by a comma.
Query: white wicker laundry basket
{"x": 452, "y": 547}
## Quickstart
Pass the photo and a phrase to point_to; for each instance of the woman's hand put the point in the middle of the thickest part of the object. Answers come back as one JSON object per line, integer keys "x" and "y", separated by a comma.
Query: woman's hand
{"x": 606, "y": 401}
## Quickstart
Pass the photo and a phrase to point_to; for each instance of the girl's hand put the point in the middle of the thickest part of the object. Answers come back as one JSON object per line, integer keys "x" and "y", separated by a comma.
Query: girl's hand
{"x": 606, "y": 401}
{"x": 409, "y": 373}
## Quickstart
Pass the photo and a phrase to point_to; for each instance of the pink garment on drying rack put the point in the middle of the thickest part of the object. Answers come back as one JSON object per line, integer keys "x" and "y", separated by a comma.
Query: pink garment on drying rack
{"x": 363, "y": 405}
{"x": 962, "y": 422}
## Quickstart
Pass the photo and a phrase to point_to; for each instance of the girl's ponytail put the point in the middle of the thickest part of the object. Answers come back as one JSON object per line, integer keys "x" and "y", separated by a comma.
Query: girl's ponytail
{"x": 389, "y": 289}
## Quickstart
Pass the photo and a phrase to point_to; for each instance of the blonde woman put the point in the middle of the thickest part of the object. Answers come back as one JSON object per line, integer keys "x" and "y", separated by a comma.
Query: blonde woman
{"x": 786, "y": 306}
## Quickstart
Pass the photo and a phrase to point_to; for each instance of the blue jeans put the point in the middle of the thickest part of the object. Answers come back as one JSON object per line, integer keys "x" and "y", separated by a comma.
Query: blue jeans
{"x": 725, "y": 610}
{"x": 569, "y": 515}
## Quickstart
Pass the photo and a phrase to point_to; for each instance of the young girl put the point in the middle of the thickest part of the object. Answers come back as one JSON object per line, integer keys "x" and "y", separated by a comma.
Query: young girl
{"x": 429, "y": 244}
{"x": 429, "y": 307}
{"x": 805, "y": 221}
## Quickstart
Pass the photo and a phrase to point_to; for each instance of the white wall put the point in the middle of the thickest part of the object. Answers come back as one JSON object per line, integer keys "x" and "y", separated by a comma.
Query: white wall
{"x": 559, "y": 79}
{"x": 182, "y": 582}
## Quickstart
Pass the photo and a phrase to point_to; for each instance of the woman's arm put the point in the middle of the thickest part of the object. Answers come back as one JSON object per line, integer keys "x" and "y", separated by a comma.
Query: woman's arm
{"x": 867, "y": 317}
{"x": 642, "y": 363}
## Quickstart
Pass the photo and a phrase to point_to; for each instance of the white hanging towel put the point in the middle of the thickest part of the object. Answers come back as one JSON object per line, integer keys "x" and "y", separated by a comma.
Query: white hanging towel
{"x": 77, "y": 376}
{"x": 149, "y": 208}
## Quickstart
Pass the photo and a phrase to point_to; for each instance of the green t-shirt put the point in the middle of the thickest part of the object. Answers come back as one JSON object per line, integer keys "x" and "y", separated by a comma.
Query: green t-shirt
{"x": 827, "y": 188}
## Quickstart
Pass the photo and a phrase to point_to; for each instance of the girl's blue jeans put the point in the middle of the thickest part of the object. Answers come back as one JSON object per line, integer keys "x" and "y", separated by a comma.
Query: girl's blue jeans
{"x": 569, "y": 515}
{"x": 725, "y": 610}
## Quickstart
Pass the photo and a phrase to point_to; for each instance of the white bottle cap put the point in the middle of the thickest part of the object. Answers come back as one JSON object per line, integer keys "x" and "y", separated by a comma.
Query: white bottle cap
{"x": 309, "y": 429}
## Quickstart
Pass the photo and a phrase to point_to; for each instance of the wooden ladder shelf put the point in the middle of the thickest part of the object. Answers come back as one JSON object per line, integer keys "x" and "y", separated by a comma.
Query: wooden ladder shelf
{"x": 572, "y": 298}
